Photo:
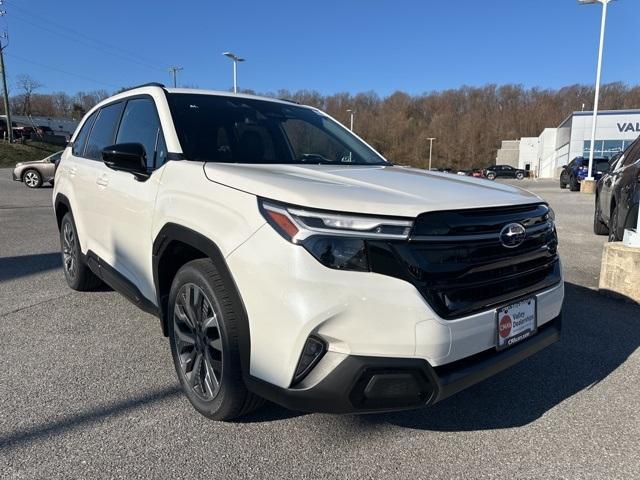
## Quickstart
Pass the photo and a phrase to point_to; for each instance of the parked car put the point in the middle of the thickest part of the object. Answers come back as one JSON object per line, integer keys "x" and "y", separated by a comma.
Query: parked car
{"x": 504, "y": 171}
{"x": 618, "y": 194}
{"x": 34, "y": 174}
{"x": 284, "y": 263}
{"x": 476, "y": 172}
{"x": 578, "y": 169}
{"x": 44, "y": 130}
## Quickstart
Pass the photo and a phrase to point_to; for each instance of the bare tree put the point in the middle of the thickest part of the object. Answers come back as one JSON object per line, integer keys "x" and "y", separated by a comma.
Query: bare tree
{"x": 28, "y": 85}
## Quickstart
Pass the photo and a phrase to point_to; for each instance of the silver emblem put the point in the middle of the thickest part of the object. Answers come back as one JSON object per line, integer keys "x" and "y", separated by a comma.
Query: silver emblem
{"x": 512, "y": 235}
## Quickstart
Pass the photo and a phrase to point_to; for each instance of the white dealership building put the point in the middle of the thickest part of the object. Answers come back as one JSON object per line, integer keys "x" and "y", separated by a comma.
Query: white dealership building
{"x": 555, "y": 147}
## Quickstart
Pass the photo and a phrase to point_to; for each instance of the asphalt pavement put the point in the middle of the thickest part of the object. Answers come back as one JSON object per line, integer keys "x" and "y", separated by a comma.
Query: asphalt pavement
{"x": 88, "y": 389}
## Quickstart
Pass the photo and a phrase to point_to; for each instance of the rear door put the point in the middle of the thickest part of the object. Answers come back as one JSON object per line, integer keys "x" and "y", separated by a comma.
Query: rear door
{"x": 130, "y": 200}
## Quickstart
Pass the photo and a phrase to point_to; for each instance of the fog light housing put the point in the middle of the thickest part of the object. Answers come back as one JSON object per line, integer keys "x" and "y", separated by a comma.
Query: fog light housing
{"x": 314, "y": 349}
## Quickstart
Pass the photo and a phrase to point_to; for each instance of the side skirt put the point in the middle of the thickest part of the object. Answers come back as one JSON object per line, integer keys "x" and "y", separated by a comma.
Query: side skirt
{"x": 120, "y": 283}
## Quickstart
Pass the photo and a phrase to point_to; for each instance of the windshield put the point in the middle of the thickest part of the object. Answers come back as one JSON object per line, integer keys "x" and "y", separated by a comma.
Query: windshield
{"x": 240, "y": 130}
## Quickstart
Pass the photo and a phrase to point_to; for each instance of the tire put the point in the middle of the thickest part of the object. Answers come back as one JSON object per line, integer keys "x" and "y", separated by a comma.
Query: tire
{"x": 599, "y": 227}
{"x": 78, "y": 275}
{"x": 519, "y": 175}
{"x": 203, "y": 333}
{"x": 32, "y": 178}
{"x": 613, "y": 226}
{"x": 574, "y": 186}
{"x": 491, "y": 176}
{"x": 562, "y": 185}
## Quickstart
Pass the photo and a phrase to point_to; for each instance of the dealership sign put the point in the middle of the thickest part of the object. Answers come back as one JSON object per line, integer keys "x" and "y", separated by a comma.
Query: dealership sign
{"x": 629, "y": 127}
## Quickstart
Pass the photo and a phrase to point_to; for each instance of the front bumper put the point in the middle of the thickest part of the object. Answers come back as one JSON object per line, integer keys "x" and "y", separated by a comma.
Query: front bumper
{"x": 360, "y": 384}
{"x": 15, "y": 177}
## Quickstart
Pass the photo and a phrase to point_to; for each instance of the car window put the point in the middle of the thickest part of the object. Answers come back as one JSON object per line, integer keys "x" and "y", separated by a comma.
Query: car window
{"x": 104, "y": 130}
{"x": 632, "y": 154}
{"x": 140, "y": 124}
{"x": 507, "y": 167}
{"x": 55, "y": 156}
{"x": 81, "y": 138}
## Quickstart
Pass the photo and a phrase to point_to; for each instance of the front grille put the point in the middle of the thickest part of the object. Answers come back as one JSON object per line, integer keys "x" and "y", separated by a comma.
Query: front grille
{"x": 458, "y": 263}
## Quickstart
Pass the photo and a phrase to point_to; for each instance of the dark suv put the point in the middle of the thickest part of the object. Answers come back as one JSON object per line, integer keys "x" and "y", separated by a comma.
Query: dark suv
{"x": 504, "y": 171}
{"x": 618, "y": 195}
{"x": 578, "y": 169}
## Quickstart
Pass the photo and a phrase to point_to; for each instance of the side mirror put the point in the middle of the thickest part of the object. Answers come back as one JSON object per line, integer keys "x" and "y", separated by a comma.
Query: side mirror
{"x": 126, "y": 157}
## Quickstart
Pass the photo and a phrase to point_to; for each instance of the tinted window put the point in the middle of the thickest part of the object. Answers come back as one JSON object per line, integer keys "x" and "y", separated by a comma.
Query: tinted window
{"x": 104, "y": 131}
{"x": 140, "y": 124}
{"x": 246, "y": 130}
{"x": 81, "y": 138}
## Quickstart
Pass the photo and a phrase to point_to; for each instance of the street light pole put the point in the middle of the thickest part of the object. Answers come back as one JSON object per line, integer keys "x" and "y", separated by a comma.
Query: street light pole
{"x": 352, "y": 112}
{"x": 431, "y": 139}
{"x": 235, "y": 60}
{"x": 596, "y": 100}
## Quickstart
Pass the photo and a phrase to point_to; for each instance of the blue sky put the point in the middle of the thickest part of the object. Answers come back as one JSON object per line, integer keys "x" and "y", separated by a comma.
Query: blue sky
{"x": 329, "y": 46}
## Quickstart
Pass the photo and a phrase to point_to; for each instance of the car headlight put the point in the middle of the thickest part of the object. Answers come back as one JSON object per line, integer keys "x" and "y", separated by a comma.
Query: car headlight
{"x": 337, "y": 240}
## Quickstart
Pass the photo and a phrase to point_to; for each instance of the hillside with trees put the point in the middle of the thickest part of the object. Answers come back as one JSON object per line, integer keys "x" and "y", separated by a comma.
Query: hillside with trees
{"x": 468, "y": 122}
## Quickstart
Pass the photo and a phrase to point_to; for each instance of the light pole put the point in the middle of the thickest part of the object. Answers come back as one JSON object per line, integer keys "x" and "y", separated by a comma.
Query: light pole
{"x": 431, "y": 139}
{"x": 352, "y": 113}
{"x": 235, "y": 59}
{"x": 596, "y": 100}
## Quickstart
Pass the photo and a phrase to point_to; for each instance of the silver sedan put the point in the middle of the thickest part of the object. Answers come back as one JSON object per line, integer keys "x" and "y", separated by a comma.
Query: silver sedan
{"x": 35, "y": 173}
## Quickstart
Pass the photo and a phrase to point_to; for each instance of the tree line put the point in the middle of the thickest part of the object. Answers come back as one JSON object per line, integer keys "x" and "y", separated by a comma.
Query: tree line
{"x": 468, "y": 122}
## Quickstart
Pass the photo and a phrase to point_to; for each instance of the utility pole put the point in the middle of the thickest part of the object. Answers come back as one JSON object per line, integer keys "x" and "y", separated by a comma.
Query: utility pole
{"x": 174, "y": 73}
{"x": 431, "y": 139}
{"x": 7, "y": 109}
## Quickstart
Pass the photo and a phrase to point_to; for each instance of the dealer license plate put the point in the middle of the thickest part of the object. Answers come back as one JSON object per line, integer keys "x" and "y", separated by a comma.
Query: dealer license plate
{"x": 516, "y": 322}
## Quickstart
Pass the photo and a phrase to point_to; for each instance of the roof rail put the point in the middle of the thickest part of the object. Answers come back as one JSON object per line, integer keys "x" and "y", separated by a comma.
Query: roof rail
{"x": 288, "y": 100}
{"x": 150, "y": 84}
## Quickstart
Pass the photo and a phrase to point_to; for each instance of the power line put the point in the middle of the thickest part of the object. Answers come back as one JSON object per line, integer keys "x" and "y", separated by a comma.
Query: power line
{"x": 95, "y": 47}
{"x": 59, "y": 70}
{"x": 31, "y": 15}
{"x": 174, "y": 73}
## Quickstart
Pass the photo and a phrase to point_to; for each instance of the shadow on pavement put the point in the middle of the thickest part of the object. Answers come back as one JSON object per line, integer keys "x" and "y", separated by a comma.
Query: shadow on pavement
{"x": 24, "y": 265}
{"x": 20, "y": 437}
{"x": 599, "y": 334}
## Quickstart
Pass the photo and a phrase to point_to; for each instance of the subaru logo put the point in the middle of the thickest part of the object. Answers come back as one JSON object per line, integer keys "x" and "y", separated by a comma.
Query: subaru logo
{"x": 512, "y": 235}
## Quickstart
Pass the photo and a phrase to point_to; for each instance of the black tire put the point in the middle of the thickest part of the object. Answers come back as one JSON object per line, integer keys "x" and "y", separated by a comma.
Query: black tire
{"x": 208, "y": 342}
{"x": 519, "y": 175}
{"x": 613, "y": 226}
{"x": 32, "y": 178}
{"x": 599, "y": 227}
{"x": 78, "y": 275}
{"x": 491, "y": 176}
{"x": 562, "y": 185}
{"x": 574, "y": 186}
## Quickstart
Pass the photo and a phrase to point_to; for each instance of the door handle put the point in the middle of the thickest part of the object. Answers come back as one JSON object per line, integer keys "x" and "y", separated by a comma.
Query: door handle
{"x": 102, "y": 180}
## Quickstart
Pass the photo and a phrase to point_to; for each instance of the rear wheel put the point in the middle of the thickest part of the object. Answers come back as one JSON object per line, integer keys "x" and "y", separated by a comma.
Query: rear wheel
{"x": 574, "y": 186}
{"x": 204, "y": 343}
{"x": 76, "y": 272}
{"x": 599, "y": 227}
{"x": 491, "y": 176}
{"x": 519, "y": 175}
{"x": 562, "y": 184}
{"x": 32, "y": 178}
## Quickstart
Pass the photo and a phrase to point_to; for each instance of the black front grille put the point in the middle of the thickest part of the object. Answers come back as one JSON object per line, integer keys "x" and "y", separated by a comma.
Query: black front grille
{"x": 459, "y": 264}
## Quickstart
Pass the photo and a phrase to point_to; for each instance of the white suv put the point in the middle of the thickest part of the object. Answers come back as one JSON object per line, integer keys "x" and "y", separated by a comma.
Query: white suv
{"x": 288, "y": 260}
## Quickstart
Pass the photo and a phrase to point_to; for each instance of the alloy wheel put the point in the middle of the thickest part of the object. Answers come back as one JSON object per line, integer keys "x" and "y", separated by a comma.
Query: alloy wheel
{"x": 198, "y": 341}
{"x": 69, "y": 250}
{"x": 31, "y": 179}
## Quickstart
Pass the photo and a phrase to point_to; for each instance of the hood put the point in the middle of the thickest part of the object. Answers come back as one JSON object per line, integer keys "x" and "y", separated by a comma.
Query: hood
{"x": 32, "y": 162}
{"x": 378, "y": 190}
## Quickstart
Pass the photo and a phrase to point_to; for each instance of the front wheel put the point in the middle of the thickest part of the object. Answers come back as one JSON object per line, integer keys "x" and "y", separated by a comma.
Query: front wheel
{"x": 491, "y": 176}
{"x": 204, "y": 343}
{"x": 574, "y": 186}
{"x": 32, "y": 178}
{"x": 76, "y": 272}
{"x": 599, "y": 227}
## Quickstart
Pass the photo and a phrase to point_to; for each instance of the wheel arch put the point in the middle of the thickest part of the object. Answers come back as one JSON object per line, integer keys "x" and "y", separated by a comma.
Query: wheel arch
{"x": 61, "y": 207}
{"x": 176, "y": 245}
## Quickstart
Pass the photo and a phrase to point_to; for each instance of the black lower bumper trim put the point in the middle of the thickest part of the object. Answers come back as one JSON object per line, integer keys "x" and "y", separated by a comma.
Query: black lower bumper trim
{"x": 362, "y": 384}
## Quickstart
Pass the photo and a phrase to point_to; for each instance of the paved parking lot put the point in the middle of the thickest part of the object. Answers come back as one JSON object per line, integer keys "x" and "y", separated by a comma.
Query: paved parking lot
{"x": 87, "y": 387}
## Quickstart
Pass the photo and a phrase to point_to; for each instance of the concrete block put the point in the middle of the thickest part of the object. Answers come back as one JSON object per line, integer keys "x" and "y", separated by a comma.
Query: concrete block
{"x": 588, "y": 186}
{"x": 620, "y": 271}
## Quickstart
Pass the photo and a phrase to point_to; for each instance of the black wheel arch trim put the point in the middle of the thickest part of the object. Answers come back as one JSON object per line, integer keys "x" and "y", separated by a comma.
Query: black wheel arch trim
{"x": 61, "y": 199}
{"x": 176, "y": 232}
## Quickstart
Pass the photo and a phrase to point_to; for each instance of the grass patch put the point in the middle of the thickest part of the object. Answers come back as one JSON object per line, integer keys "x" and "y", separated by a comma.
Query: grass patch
{"x": 10, "y": 154}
